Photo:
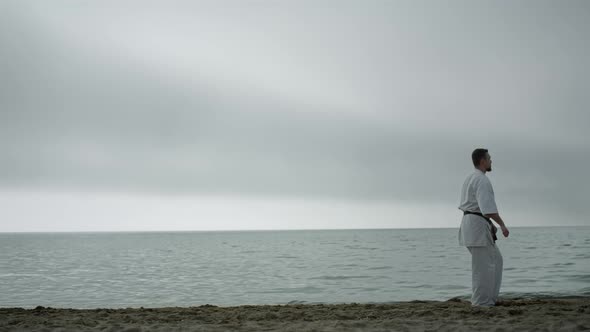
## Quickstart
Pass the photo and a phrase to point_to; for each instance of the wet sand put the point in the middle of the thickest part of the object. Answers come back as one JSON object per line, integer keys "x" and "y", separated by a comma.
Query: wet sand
{"x": 554, "y": 314}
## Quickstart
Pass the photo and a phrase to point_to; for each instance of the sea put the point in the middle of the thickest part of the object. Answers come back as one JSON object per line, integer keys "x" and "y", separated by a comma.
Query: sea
{"x": 228, "y": 268}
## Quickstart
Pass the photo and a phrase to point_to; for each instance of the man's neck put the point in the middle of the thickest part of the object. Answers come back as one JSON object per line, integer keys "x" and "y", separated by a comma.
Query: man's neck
{"x": 481, "y": 169}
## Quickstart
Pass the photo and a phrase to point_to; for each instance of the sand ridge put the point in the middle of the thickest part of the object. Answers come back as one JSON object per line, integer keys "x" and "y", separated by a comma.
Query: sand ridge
{"x": 556, "y": 314}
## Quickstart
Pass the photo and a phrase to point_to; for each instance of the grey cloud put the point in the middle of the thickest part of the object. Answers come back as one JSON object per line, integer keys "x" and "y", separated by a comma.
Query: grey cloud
{"x": 428, "y": 83}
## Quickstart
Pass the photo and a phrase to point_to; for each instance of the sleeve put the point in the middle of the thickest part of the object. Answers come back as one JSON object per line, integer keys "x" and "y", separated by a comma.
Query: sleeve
{"x": 485, "y": 197}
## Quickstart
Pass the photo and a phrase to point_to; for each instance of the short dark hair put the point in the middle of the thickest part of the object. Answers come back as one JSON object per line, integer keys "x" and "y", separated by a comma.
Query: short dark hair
{"x": 478, "y": 155}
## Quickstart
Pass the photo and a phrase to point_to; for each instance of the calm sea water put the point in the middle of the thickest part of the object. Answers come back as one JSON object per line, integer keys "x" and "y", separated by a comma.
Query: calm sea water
{"x": 90, "y": 270}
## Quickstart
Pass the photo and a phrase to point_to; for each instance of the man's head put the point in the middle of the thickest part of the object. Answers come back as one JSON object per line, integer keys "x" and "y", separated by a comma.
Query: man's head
{"x": 482, "y": 160}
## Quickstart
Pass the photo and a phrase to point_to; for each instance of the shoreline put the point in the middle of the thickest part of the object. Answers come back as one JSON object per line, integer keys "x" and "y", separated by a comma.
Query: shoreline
{"x": 522, "y": 314}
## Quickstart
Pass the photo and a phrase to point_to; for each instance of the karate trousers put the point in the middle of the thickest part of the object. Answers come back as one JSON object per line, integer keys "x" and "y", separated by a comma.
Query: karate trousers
{"x": 486, "y": 274}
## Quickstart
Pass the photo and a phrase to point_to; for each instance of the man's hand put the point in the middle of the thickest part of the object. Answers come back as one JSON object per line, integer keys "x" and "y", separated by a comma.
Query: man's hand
{"x": 496, "y": 217}
{"x": 505, "y": 231}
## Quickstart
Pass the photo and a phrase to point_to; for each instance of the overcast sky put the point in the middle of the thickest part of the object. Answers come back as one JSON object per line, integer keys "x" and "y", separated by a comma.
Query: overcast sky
{"x": 202, "y": 115}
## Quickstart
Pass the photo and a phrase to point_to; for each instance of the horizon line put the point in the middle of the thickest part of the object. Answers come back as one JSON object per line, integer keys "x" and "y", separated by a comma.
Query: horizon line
{"x": 270, "y": 230}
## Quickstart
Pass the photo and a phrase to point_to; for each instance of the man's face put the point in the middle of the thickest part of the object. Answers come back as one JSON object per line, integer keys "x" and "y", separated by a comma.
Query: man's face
{"x": 488, "y": 162}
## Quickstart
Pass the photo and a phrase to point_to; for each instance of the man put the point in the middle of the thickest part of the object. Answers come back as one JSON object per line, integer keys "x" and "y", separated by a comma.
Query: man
{"x": 478, "y": 233}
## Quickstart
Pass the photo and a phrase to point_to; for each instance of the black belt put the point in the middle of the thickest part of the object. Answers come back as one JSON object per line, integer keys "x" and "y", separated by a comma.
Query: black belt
{"x": 494, "y": 229}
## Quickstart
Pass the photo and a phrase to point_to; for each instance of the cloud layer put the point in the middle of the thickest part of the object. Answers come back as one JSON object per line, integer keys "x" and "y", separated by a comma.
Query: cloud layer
{"x": 380, "y": 101}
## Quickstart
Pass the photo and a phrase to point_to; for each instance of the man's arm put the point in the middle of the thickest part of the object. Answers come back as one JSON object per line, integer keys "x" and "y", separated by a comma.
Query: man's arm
{"x": 487, "y": 203}
{"x": 496, "y": 217}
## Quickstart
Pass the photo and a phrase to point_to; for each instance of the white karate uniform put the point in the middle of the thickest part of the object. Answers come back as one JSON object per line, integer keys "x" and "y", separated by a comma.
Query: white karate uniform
{"x": 477, "y": 195}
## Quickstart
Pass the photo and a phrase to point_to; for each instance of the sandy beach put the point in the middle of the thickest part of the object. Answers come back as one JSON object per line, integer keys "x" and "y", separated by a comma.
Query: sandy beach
{"x": 554, "y": 314}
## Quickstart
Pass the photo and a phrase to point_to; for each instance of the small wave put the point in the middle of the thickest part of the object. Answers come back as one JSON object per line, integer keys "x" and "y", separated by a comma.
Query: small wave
{"x": 380, "y": 268}
{"x": 403, "y": 282}
{"x": 581, "y": 256}
{"x": 580, "y": 277}
{"x": 344, "y": 265}
{"x": 370, "y": 289}
{"x": 445, "y": 287}
{"x": 306, "y": 290}
{"x": 285, "y": 256}
{"x": 418, "y": 286}
{"x": 564, "y": 264}
{"x": 8, "y": 275}
{"x": 360, "y": 247}
{"x": 32, "y": 275}
{"x": 341, "y": 277}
